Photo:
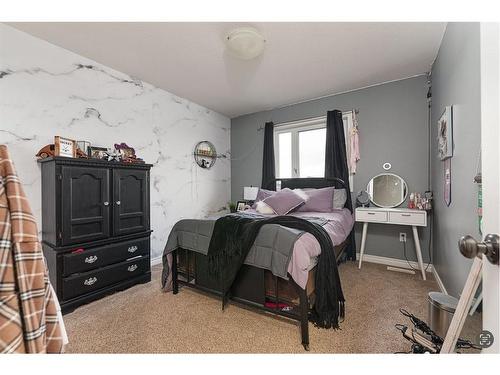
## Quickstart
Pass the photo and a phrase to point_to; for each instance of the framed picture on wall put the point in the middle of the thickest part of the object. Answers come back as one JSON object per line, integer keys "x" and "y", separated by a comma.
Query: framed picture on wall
{"x": 445, "y": 134}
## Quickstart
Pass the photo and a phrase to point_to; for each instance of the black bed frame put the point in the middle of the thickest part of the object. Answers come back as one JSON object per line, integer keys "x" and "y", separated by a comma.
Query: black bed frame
{"x": 249, "y": 284}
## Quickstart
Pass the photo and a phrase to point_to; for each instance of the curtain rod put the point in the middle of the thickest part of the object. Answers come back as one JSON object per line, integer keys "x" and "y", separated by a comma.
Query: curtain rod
{"x": 356, "y": 111}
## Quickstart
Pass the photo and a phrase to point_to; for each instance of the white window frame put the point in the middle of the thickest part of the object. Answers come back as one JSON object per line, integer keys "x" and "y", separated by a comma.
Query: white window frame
{"x": 295, "y": 127}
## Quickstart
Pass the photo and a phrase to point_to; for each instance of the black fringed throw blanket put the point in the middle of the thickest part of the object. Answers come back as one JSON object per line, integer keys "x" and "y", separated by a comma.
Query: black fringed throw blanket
{"x": 232, "y": 238}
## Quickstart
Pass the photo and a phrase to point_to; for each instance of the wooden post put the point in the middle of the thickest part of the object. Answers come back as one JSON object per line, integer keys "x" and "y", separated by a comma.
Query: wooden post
{"x": 463, "y": 307}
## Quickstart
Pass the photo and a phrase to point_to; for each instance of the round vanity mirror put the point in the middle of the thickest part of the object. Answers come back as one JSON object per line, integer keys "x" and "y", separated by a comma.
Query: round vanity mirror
{"x": 387, "y": 190}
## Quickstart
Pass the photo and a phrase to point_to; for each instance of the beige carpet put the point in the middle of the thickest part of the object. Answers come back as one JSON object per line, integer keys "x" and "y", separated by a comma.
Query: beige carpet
{"x": 145, "y": 320}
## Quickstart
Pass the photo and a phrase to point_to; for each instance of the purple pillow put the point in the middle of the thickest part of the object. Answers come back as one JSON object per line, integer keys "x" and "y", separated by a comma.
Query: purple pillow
{"x": 261, "y": 195}
{"x": 317, "y": 200}
{"x": 284, "y": 201}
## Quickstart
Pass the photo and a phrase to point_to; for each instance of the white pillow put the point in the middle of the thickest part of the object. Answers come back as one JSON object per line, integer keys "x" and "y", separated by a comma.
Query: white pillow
{"x": 263, "y": 208}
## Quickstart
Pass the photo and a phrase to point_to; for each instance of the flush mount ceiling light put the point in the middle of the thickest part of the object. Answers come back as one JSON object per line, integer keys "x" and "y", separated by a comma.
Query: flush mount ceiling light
{"x": 245, "y": 43}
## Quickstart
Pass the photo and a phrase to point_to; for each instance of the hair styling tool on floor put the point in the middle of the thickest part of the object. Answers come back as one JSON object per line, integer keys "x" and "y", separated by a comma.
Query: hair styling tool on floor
{"x": 424, "y": 339}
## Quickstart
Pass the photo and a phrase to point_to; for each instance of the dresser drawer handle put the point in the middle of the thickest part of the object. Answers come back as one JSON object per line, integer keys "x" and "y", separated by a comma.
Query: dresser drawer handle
{"x": 371, "y": 213}
{"x": 132, "y": 268}
{"x": 132, "y": 249}
{"x": 406, "y": 215}
{"x": 91, "y": 259}
{"x": 90, "y": 281}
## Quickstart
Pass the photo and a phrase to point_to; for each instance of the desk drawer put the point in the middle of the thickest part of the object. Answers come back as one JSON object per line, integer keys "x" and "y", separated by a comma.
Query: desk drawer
{"x": 409, "y": 218}
{"x": 376, "y": 216}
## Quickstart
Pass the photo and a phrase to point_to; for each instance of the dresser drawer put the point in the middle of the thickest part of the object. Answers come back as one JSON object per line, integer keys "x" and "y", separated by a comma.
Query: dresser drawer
{"x": 376, "y": 216}
{"x": 409, "y": 218}
{"x": 103, "y": 256}
{"x": 82, "y": 283}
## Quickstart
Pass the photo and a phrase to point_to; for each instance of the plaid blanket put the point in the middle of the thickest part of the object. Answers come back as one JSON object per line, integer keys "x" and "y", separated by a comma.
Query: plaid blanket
{"x": 29, "y": 310}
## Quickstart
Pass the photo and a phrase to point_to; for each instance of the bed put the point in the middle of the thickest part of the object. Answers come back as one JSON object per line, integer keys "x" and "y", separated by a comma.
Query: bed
{"x": 274, "y": 284}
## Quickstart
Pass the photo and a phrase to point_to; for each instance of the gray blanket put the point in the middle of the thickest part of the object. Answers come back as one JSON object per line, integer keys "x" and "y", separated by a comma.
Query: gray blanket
{"x": 272, "y": 249}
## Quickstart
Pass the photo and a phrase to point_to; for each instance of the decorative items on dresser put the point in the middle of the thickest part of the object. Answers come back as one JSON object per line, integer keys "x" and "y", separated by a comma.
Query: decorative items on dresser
{"x": 399, "y": 216}
{"x": 95, "y": 227}
{"x": 83, "y": 149}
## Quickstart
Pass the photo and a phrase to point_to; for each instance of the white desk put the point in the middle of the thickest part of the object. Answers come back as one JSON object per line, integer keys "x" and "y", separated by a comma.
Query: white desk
{"x": 399, "y": 216}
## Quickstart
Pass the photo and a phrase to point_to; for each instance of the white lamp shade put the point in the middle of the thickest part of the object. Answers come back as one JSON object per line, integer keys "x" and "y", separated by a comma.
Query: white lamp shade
{"x": 250, "y": 193}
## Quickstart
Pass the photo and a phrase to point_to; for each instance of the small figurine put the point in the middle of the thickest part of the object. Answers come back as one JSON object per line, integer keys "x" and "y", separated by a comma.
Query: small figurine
{"x": 418, "y": 202}
{"x": 428, "y": 200}
{"x": 127, "y": 153}
{"x": 80, "y": 154}
{"x": 46, "y": 152}
{"x": 112, "y": 155}
{"x": 125, "y": 150}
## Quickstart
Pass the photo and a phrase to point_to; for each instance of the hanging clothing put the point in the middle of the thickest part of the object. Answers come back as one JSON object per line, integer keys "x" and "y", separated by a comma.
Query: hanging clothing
{"x": 30, "y": 319}
{"x": 354, "y": 149}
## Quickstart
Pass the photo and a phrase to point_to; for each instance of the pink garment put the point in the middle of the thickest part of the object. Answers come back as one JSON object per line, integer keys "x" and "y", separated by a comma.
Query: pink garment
{"x": 354, "y": 150}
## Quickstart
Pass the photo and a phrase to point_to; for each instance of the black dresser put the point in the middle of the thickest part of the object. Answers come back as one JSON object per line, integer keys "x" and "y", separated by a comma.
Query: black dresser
{"x": 95, "y": 227}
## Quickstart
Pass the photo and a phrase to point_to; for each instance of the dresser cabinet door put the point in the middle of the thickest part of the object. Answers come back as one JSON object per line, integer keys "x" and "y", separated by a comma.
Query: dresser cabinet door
{"x": 85, "y": 204}
{"x": 131, "y": 201}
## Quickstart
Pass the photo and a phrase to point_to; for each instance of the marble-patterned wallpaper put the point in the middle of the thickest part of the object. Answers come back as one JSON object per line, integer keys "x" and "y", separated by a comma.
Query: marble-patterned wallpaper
{"x": 46, "y": 90}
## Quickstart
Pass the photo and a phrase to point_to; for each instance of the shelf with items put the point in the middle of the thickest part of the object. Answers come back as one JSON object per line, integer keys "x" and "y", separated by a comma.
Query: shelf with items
{"x": 205, "y": 154}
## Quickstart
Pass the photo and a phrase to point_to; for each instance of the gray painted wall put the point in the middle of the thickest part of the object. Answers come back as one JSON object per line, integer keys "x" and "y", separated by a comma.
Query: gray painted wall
{"x": 393, "y": 128}
{"x": 456, "y": 81}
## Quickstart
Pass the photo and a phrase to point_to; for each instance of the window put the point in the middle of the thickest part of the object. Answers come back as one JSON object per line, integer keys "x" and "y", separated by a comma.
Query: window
{"x": 285, "y": 155}
{"x": 299, "y": 147}
{"x": 312, "y": 144}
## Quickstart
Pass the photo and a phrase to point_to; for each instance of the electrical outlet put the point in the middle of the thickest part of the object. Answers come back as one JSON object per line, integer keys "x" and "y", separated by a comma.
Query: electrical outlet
{"x": 402, "y": 237}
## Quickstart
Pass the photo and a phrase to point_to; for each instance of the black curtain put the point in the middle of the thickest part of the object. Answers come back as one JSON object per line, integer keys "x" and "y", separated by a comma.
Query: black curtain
{"x": 268, "y": 169}
{"x": 336, "y": 163}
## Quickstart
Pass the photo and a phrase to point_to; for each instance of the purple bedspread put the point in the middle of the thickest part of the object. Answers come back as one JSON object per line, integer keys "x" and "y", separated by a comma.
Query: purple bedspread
{"x": 307, "y": 249}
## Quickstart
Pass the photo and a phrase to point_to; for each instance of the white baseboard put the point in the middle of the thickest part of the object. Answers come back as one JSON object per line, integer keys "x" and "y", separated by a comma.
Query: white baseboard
{"x": 393, "y": 262}
{"x": 439, "y": 281}
{"x": 155, "y": 261}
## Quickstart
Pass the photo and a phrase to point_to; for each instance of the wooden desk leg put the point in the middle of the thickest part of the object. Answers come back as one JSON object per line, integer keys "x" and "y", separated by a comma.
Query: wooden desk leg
{"x": 418, "y": 251}
{"x": 363, "y": 243}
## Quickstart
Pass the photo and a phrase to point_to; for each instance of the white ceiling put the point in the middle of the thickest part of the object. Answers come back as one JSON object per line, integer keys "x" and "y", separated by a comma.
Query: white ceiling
{"x": 301, "y": 61}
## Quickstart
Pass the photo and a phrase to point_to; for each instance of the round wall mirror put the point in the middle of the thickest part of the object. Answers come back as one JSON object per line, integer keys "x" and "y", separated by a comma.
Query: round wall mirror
{"x": 387, "y": 190}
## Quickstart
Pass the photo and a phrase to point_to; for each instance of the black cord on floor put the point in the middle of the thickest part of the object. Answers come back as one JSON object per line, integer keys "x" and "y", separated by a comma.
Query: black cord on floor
{"x": 436, "y": 340}
{"x": 409, "y": 264}
{"x": 430, "y": 240}
{"x": 407, "y": 261}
